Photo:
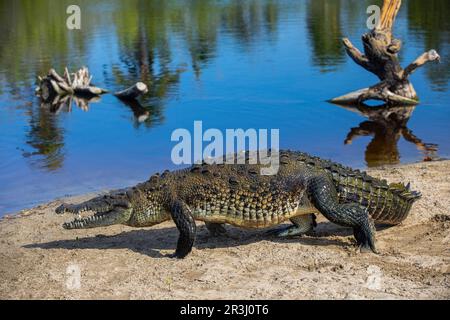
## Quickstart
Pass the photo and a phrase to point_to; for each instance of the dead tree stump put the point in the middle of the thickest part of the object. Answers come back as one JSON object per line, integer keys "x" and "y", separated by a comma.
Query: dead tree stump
{"x": 380, "y": 57}
{"x": 78, "y": 84}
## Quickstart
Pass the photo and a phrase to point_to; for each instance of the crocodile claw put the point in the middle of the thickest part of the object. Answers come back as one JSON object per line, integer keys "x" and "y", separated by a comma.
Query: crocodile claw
{"x": 286, "y": 232}
{"x": 368, "y": 249}
{"x": 173, "y": 256}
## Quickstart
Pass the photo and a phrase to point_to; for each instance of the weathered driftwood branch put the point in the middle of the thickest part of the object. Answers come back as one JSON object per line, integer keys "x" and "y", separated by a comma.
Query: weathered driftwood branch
{"x": 388, "y": 14}
{"x": 54, "y": 85}
{"x": 133, "y": 92}
{"x": 58, "y": 91}
{"x": 375, "y": 93}
{"x": 426, "y": 57}
{"x": 381, "y": 58}
{"x": 356, "y": 55}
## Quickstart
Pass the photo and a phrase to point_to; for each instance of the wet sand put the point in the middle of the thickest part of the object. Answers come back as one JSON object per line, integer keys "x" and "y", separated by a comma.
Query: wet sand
{"x": 40, "y": 260}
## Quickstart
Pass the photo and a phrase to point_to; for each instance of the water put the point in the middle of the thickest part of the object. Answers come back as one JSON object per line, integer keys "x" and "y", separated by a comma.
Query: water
{"x": 232, "y": 64}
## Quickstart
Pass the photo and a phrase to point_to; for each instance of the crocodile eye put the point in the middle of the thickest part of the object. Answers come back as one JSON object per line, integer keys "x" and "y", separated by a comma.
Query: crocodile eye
{"x": 165, "y": 173}
{"x": 154, "y": 178}
{"x": 284, "y": 159}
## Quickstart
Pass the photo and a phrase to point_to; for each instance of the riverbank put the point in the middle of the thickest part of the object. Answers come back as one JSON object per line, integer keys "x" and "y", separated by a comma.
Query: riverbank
{"x": 40, "y": 260}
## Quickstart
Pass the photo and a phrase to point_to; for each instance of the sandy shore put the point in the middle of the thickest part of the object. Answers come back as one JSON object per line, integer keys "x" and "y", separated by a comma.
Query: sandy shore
{"x": 38, "y": 259}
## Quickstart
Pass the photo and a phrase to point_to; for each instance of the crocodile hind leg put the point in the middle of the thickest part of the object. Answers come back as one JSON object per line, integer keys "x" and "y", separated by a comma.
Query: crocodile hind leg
{"x": 216, "y": 229}
{"x": 181, "y": 215}
{"x": 323, "y": 195}
{"x": 301, "y": 225}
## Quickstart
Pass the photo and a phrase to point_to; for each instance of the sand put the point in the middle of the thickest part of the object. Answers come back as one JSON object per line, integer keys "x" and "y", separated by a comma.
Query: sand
{"x": 40, "y": 260}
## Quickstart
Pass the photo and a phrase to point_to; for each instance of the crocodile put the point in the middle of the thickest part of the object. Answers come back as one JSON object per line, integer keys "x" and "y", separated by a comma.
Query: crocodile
{"x": 237, "y": 194}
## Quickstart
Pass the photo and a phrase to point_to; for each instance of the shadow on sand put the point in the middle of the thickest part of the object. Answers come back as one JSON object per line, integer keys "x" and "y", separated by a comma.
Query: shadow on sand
{"x": 150, "y": 242}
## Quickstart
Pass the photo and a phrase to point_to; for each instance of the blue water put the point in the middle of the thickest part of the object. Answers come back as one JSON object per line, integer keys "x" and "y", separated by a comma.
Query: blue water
{"x": 231, "y": 64}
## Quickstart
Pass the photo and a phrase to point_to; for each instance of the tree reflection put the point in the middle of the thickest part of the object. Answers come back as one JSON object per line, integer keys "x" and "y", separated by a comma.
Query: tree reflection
{"x": 386, "y": 125}
{"x": 149, "y": 115}
{"x": 46, "y": 138}
{"x": 34, "y": 39}
{"x": 324, "y": 26}
{"x": 429, "y": 21}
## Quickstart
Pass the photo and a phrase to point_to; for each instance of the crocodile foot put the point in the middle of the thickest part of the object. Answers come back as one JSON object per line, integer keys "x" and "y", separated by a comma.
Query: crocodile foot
{"x": 301, "y": 225}
{"x": 174, "y": 256}
{"x": 216, "y": 229}
{"x": 366, "y": 240}
{"x": 286, "y": 232}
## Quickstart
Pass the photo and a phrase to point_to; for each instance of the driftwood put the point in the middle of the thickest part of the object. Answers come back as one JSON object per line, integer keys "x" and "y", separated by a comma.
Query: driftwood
{"x": 78, "y": 84}
{"x": 58, "y": 91}
{"x": 132, "y": 93}
{"x": 381, "y": 58}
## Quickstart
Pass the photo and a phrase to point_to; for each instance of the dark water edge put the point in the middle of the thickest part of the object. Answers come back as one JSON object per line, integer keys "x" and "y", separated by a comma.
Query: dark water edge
{"x": 232, "y": 64}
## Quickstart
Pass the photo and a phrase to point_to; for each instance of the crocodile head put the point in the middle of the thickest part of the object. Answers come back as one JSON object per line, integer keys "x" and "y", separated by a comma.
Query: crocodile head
{"x": 107, "y": 210}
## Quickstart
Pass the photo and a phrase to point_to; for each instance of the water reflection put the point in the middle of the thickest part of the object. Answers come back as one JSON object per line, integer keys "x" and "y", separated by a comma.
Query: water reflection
{"x": 429, "y": 21}
{"x": 144, "y": 42}
{"x": 47, "y": 139}
{"x": 32, "y": 41}
{"x": 386, "y": 125}
{"x": 45, "y": 135}
{"x": 66, "y": 103}
{"x": 149, "y": 33}
{"x": 324, "y": 27}
{"x": 148, "y": 116}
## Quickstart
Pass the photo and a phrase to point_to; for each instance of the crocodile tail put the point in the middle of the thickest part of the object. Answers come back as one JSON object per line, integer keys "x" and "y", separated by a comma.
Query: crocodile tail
{"x": 399, "y": 199}
{"x": 386, "y": 203}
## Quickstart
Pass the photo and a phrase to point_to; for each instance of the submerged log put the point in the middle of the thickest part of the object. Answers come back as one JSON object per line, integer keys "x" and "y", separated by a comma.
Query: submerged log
{"x": 381, "y": 58}
{"x": 133, "y": 92}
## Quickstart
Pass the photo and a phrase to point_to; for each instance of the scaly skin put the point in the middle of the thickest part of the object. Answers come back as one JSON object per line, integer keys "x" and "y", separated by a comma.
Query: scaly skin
{"x": 240, "y": 196}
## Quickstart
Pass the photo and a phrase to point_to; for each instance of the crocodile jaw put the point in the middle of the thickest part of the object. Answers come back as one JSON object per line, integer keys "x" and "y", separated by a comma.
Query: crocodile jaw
{"x": 106, "y": 213}
{"x": 101, "y": 219}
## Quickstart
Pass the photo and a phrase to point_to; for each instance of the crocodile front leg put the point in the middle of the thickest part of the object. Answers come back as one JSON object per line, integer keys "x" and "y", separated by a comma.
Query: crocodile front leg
{"x": 323, "y": 195}
{"x": 181, "y": 215}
